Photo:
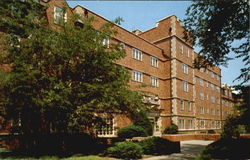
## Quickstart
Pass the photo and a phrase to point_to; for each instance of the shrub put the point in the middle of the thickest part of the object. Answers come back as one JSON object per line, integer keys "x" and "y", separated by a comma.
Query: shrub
{"x": 142, "y": 120}
{"x": 229, "y": 149}
{"x": 125, "y": 150}
{"x": 159, "y": 146}
{"x": 132, "y": 131}
{"x": 172, "y": 129}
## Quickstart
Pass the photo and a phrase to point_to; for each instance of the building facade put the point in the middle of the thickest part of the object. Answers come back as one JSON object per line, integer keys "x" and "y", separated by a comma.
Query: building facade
{"x": 161, "y": 58}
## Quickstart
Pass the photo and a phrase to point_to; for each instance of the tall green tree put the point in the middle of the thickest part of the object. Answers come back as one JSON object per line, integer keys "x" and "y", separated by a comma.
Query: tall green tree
{"x": 60, "y": 80}
{"x": 215, "y": 25}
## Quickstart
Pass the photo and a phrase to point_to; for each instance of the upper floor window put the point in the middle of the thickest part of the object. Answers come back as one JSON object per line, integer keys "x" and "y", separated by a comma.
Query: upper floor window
{"x": 105, "y": 42}
{"x": 189, "y": 106}
{"x": 137, "y": 54}
{"x": 122, "y": 45}
{"x": 212, "y": 86}
{"x": 201, "y": 82}
{"x": 202, "y": 110}
{"x": 212, "y": 99}
{"x": 185, "y": 86}
{"x": 181, "y": 48}
{"x": 182, "y": 105}
{"x": 201, "y": 96}
{"x": 187, "y": 52}
{"x": 218, "y": 101}
{"x": 137, "y": 76}
{"x": 154, "y": 81}
{"x": 59, "y": 16}
{"x": 184, "y": 68}
{"x": 154, "y": 61}
{"x": 212, "y": 74}
{"x": 217, "y": 77}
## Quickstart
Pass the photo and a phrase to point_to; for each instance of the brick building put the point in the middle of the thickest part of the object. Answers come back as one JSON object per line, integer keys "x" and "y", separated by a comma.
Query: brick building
{"x": 162, "y": 59}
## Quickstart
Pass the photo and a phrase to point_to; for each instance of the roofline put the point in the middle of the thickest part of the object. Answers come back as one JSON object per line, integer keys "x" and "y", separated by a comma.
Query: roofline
{"x": 119, "y": 27}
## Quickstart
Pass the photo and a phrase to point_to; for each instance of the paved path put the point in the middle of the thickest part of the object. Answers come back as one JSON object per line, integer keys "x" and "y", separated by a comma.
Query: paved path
{"x": 189, "y": 150}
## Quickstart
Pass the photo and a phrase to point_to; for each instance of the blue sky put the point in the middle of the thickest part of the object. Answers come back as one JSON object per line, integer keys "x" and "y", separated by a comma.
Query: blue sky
{"x": 143, "y": 15}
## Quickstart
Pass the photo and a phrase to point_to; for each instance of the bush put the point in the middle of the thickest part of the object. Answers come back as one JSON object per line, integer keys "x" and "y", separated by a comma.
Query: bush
{"x": 125, "y": 150}
{"x": 229, "y": 149}
{"x": 172, "y": 129}
{"x": 142, "y": 120}
{"x": 159, "y": 146}
{"x": 132, "y": 131}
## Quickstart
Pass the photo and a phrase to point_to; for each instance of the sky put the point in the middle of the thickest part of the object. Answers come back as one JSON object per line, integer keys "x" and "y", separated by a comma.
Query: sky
{"x": 143, "y": 15}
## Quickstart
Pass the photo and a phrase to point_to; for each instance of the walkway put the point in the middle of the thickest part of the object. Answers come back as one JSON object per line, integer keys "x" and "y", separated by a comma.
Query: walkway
{"x": 189, "y": 150}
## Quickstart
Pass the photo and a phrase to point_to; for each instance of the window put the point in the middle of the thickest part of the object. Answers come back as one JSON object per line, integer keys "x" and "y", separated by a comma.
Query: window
{"x": 154, "y": 81}
{"x": 202, "y": 110}
{"x": 218, "y": 89}
{"x": 122, "y": 45}
{"x": 187, "y": 52}
{"x": 58, "y": 15}
{"x": 201, "y": 82}
{"x": 212, "y": 111}
{"x": 182, "y": 105}
{"x": 184, "y": 68}
{"x": 181, "y": 124}
{"x": 218, "y": 101}
{"x": 201, "y": 96}
{"x": 202, "y": 124}
{"x": 207, "y": 83}
{"x": 212, "y": 74}
{"x": 137, "y": 54}
{"x": 212, "y": 99}
{"x": 105, "y": 42}
{"x": 185, "y": 86}
{"x": 137, "y": 76}
{"x": 213, "y": 124}
{"x": 218, "y": 77}
{"x": 181, "y": 48}
{"x": 154, "y": 61}
{"x": 106, "y": 129}
{"x": 201, "y": 70}
{"x": 189, "y": 106}
{"x": 190, "y": 124}
{"x": 212, "y": 86}
{"x": 217, "y": 113}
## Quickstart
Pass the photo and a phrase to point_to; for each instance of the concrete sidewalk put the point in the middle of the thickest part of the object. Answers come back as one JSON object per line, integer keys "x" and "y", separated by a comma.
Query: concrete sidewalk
{"x": 189, "y": 150}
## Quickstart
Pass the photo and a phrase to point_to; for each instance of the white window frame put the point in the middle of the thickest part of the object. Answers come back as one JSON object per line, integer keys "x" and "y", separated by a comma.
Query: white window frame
{"x": 154, "y": 81}
{"x": 202, "y": 96}
{"x": 137, "y": 54}
{"x": 108, "y": 129}
{"x": 202, "y": 124}
{"x": 212, "y": 99}
{"x": 202, "y": 110}
{"x": 184, "y": 68}
{"x": 212, "y": 74}
{"x": 201, "y": 81}
{"x": 58, "y": 15}
{"x": 137, "y": 76}
{"x": 189, "y": 106}
{"x": 154, "y": 61}
{"x": 185, "y": 86}
{"x": 105, "y": 42}
{"x": 181, "y": 48}
{"x": 181, "y": 124}
{"x": 187, "y": 52}
{"x": 190, "y": 124}
{"x": 182, "y": 105}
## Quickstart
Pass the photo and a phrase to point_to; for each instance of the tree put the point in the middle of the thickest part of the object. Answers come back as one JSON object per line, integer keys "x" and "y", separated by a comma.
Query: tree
{"x": 215, "y": 25}
{"x": 60, "y": 81}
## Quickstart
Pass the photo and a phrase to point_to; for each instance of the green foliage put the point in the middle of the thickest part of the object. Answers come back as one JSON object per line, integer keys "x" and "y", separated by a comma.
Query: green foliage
{"x": 132, "y": 131}
{"x": 226, "y": 149}
{"x": 141, "y": 119}
{"x": 125, "y": 150}
{"x": 159, "y": 146}
{"x": 172, "y": 129}
{"x": 216, "y": 25}
{"x": 59, "y": 80}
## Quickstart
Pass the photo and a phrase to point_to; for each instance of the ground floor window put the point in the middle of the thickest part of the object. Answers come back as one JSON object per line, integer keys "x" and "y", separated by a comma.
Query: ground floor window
{"x": 106, "y": 129}
{"x": 202, "y": 124}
